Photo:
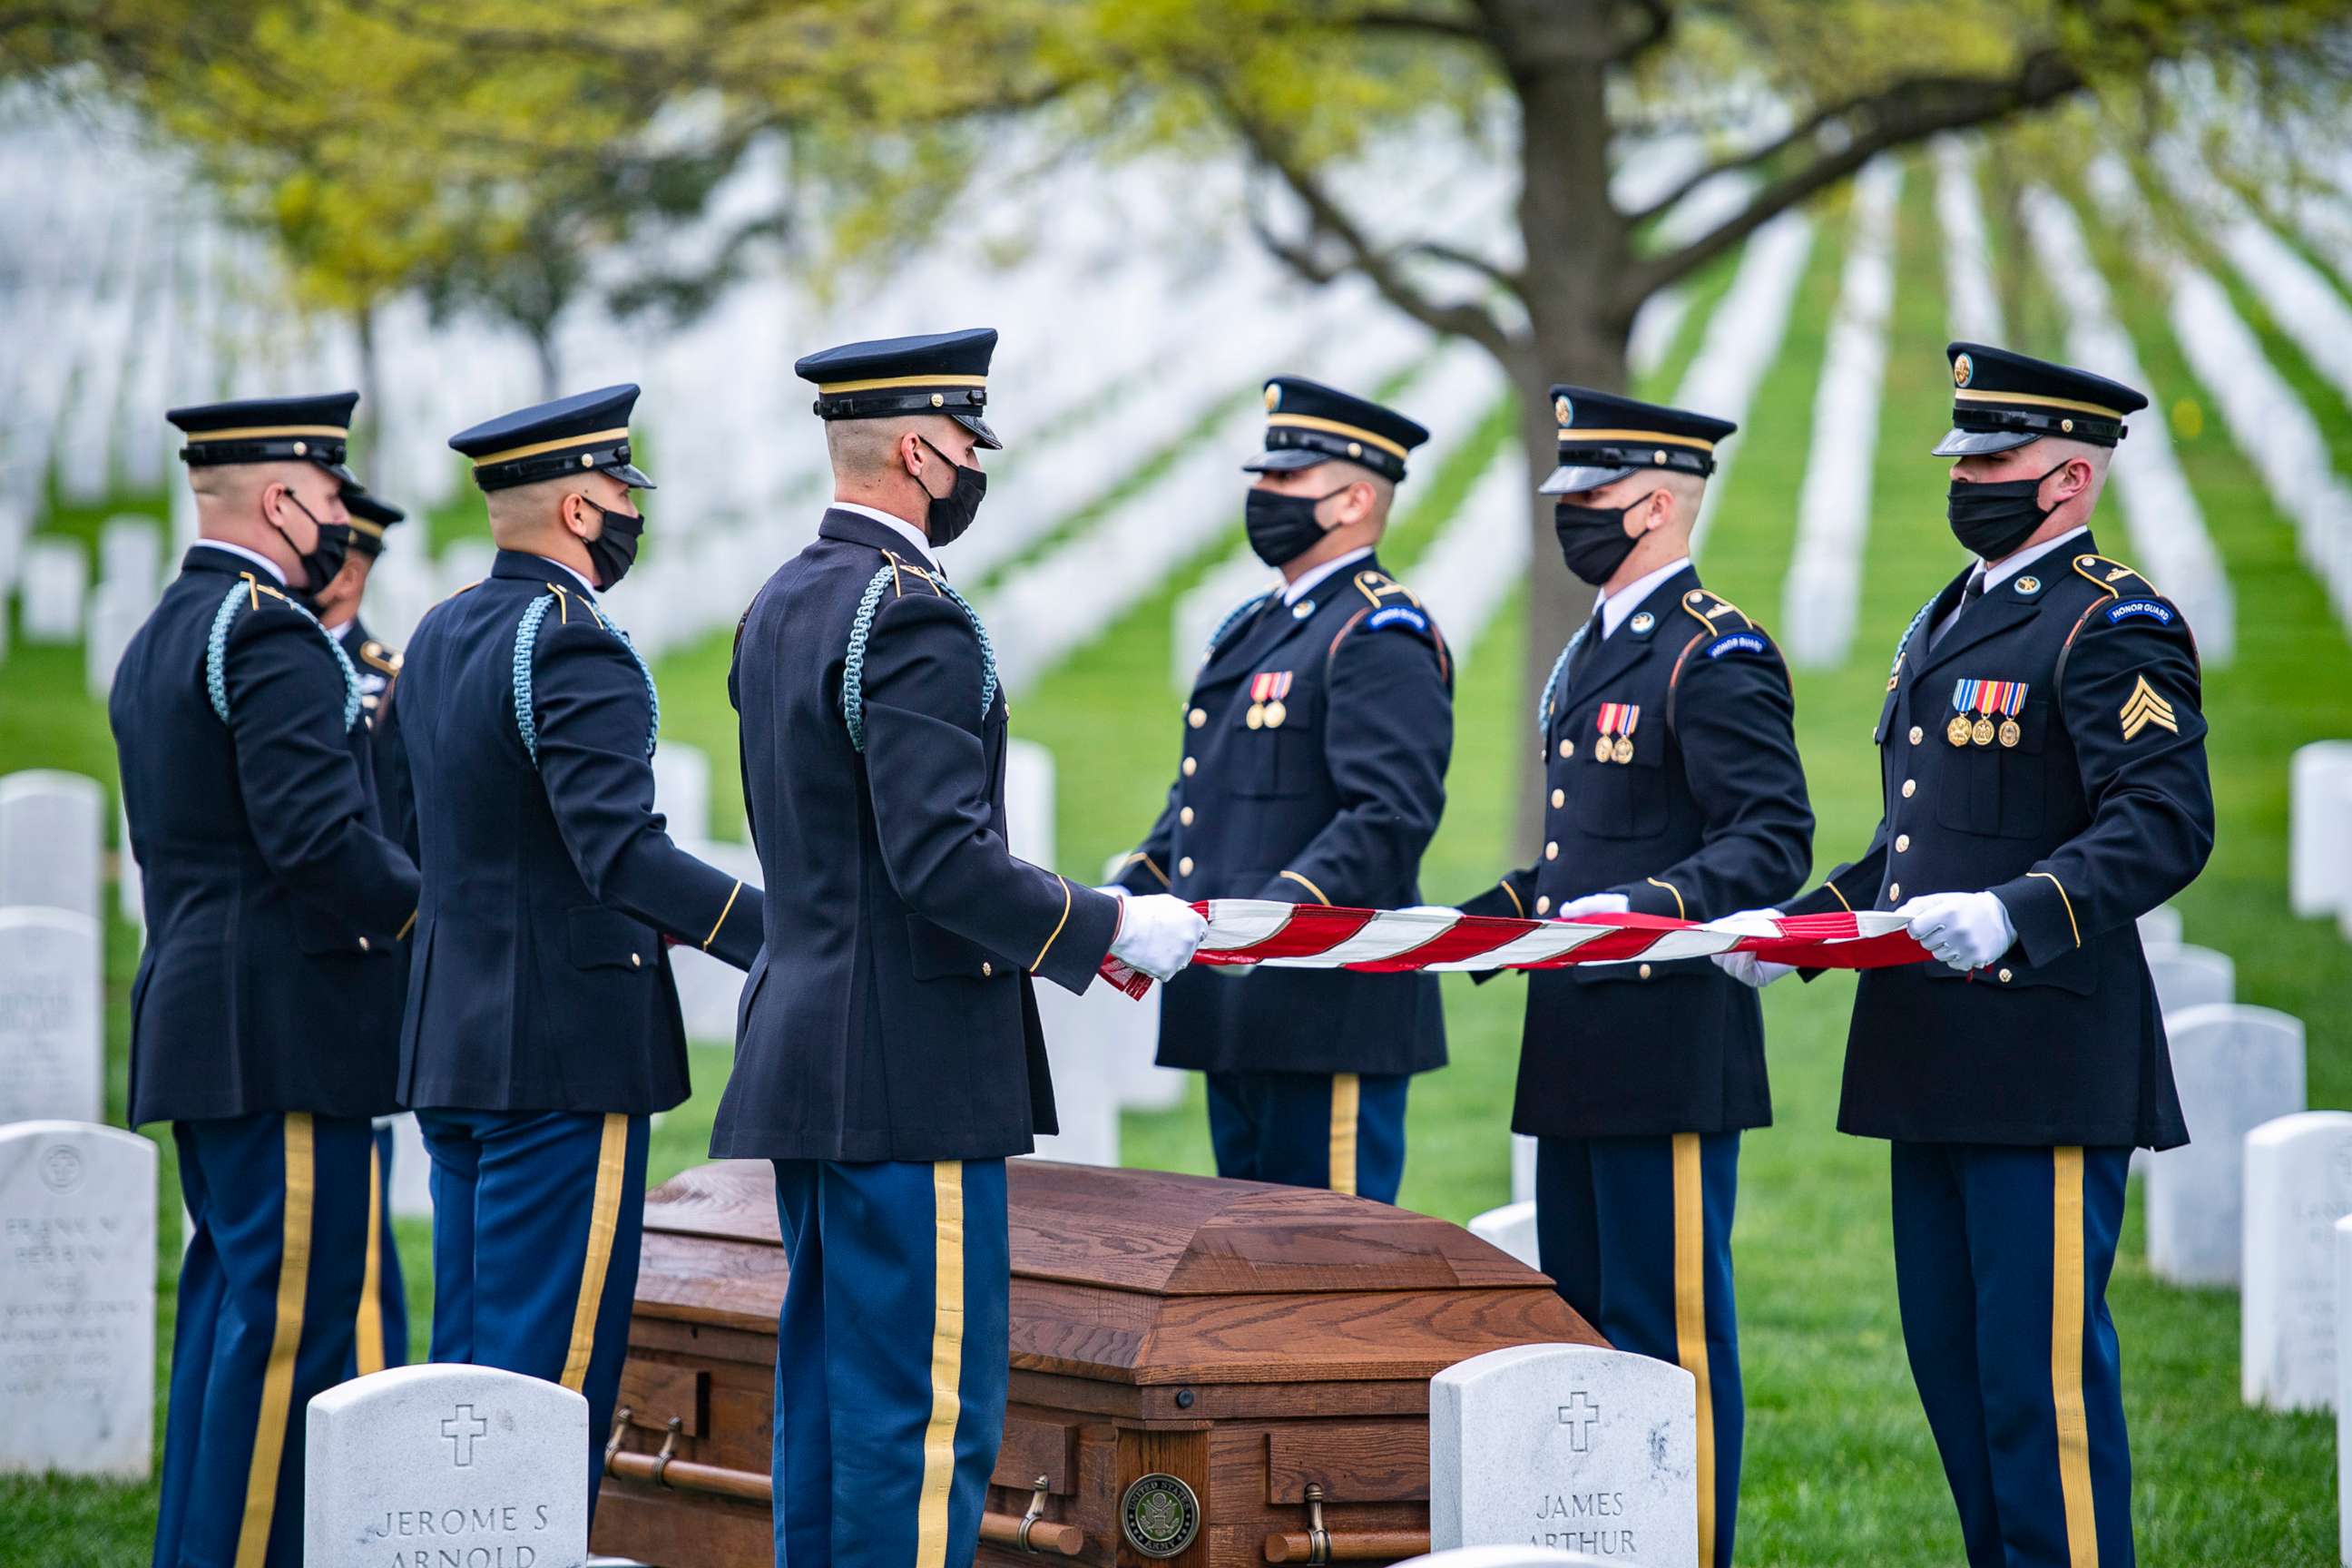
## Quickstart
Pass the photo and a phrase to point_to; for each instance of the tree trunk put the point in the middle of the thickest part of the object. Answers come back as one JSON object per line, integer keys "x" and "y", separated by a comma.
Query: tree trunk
{"x": 542, "y": 345}
{"x": 370, "y": 411}
{"x": 1576, "y": 248}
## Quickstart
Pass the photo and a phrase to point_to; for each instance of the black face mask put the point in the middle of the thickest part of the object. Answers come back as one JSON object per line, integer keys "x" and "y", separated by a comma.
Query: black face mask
{"x": 324, "y": 559}
{"x": 1593, "y": 539}
{"x": 1282, "y": 528}
{"x": 1993, "y": 519}
{"x": 610, "y": 553}
{"x": 948, "y": 516}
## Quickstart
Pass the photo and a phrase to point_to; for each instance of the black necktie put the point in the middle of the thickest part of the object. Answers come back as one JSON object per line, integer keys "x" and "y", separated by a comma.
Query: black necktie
{"x": 1587, "y": 640}
{"x": 1968, "y": 596}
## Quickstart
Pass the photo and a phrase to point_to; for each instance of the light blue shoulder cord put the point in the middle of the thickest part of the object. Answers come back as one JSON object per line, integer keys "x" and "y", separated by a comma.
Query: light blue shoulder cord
{"x": 1903, "y": 642}
{"x": 1233, "y": 618}
{"x": 526, "y": 645}
{"x": 216, "y": 656}
{"x": 1552, "y": 684}
{"x": 853, "y": 668}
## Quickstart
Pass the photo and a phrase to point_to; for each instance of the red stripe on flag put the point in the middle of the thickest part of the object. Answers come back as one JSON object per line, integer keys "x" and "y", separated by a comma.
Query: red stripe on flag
{"x": 1467, "y": 938}
{"x": 1311, "y": 928}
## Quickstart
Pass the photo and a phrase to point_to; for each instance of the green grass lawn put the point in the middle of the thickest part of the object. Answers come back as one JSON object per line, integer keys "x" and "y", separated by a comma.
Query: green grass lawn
{"x": 1840, "y": 1467}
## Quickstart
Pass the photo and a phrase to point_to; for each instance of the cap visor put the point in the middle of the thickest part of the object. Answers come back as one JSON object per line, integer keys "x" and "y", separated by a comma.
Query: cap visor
{"x": 630, "y": 475}
{"x": 1568, "y": 481}
{"x": 1978, "y": 443}
{"x": 1285, "y": 461}
{"x": 978, "y": 426}
{"x": 343, "y": 474}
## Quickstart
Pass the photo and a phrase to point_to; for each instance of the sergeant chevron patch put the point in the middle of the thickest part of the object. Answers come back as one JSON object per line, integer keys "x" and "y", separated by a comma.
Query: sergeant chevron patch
{"x": 2144, "y": 708}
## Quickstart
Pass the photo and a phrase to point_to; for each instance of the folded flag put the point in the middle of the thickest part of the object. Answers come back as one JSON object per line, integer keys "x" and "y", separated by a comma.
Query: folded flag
{"x": 1389, "y": 941}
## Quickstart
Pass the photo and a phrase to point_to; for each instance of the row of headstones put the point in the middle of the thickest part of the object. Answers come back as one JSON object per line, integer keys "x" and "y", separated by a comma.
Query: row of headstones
{"x": 1580, "y": 1453}
{"x": 52, "y": 953}
{"x": 2319, "y": 832}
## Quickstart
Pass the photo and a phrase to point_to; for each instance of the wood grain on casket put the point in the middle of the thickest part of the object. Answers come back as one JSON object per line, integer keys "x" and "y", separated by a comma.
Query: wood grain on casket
{"x": 1250, "y": 1339}
{"x": 654, "y": 1395}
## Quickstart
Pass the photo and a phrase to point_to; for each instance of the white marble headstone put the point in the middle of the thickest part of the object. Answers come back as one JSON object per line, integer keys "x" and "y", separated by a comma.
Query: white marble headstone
{"x": 117, "y": 609}
{"x": 2237, "y": 1067}
{"x": 1523, "y": 1168}
{"x": 420, "y": 1466}
{"x": 77, "y": 1300}
{"x": 52, "y": 580}
{"x": 2319, "y": 827}
{"x": 52, "y": 839}
{"x": 1080, "y": 1029}
{"x": 412, "y": 1170}
{"x": 2187, "y": 976}
{"x": 2160, "y": 927}
{"x": 1131, "y": 1047}
{"x": 709, "y": 989}
{"x": 1507, "y": 1557}
{"x": 129, "y": 888}
{"x": 1511, "y": 1227}
{"x": 682, "y": 789}
{"x": 1570, "y": 1447}
{"x": 52, "y": 1025}
{"x": 2298, "y": 1184}
{"x": 2344, "y": 1389}
{"x": 131, "y": 551}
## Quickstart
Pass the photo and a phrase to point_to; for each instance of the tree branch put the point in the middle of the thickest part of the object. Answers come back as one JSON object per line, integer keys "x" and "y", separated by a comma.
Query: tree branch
{"x": 1485, "y": 266}
{"x": 1906, "y": 112}
{"x": 1328, "y": 219}
{"x": 1403, "y": 19}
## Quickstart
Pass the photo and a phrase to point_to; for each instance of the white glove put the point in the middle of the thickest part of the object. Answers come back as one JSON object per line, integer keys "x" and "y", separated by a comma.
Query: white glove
{"x": 1157, "y": 934}
{"x": 1594, "y": 904}
{"x": 1749, "y": 969}
{"x": 1966, "y": 930}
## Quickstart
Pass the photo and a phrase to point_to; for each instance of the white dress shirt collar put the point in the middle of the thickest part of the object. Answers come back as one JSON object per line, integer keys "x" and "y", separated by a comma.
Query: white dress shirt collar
{"x": 1313, "y": 577}
{"x": 569, "y": 571}
{"x": 277, "y": 572}
{"x": 897, "y": 525}
{"x": 1614, "y": 607}
{"x": 2009, "y": 566}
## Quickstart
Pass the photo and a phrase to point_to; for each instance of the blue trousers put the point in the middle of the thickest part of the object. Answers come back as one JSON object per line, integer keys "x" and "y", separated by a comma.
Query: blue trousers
{"x": 537, "y": 1222}
{"x": 381, "y": 1337}
{"x": 1341, "y": 1130}
{"x": 2002, "y": 1259}
{"x": 269, "y": 1293}
{"x": 892, "y": 1355}
{"x": 1636, "y": 1234}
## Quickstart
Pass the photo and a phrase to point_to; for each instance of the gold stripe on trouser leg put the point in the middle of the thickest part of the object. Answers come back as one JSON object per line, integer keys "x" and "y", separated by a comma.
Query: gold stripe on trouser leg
{"x": 367, "y": 1330}
{"x": 947, "y": 1364}
{"x": 1690, "y": 1320}
{"x": 603, "y": 1218}
{"x": 2066, "y": 1292}
{"x": 285, "y": 1339}
{"x": 1346, "y": 1099}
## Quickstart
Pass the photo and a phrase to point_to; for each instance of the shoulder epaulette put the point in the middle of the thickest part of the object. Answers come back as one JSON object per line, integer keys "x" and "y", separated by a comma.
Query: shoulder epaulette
{"x": 466, "y": 588}
{"x": 1715, "y": 612}
{"x": 2110, "y": 576}
{"x": 249, "y": 592}
{"x": 893, "y": 577}
{"x": 526, "y": 650}
{"x": 1379, "y": 588}
{"x": 376, "y": 655}
{"x": 906, "y": 577}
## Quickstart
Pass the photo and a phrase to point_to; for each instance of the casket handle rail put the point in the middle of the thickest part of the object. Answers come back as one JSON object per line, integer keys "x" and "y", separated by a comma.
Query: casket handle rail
{"x": 1315, "y": 1544}
{"x": 1031, "y": 1532}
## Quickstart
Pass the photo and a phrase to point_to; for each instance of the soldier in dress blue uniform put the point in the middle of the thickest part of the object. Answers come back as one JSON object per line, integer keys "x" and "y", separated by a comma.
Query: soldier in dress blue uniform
{"x": 381, "y": 1337}
{"x": 2044, "y": 761}
{"x": 543, "y": 1028}
{"x": 272, "y": 899}
{"x": 1672, "y": 788}
{"x": 1314, "y": 745}
{"x": 888, "y": 1056}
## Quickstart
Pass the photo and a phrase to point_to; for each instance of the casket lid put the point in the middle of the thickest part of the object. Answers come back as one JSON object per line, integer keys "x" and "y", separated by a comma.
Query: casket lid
{"x": 1156, "y": 1232}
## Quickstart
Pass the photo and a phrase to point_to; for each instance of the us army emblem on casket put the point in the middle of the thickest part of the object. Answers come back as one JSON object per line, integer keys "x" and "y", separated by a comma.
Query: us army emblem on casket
{"x": 1159, "y": 1516}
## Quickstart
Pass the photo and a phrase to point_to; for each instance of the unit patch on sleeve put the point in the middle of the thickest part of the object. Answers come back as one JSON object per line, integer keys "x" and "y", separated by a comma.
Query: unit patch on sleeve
{"x": 1736, "y": 642}
{"x": 2144, "y": 708}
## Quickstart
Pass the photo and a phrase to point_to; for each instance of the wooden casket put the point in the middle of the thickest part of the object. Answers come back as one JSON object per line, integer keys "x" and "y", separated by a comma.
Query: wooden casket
{"x": 1204, "y": 1374}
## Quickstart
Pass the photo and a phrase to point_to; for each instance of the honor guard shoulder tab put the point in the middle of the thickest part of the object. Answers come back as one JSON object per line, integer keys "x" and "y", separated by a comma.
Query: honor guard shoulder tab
{"x": 1715, "y": 612}
{"x": 248, "y": 594}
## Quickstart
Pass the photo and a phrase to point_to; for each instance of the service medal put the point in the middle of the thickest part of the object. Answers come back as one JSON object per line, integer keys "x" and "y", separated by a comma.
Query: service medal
{"x": 1600, "y": 750}
{"x": 1957, "y": 732}
{"x": 1275, "y": 713}
{"x": 1622, "y": 751}
{"x": 1255, "y": 717}
{"x": 1615, "y": 721}
{"x": 1982, "y": 733}
{"x": 2009, "y": 733}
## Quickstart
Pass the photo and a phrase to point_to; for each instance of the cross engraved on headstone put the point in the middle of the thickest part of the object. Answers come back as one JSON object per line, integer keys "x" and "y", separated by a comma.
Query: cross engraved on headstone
{"x": 1580, "y": 1424}
{"x": 461, "y": 1426}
